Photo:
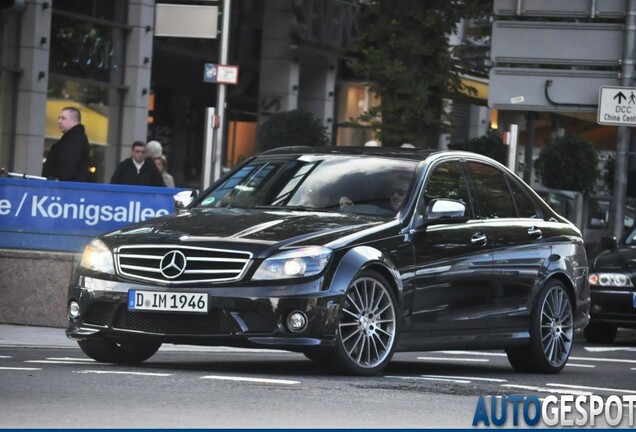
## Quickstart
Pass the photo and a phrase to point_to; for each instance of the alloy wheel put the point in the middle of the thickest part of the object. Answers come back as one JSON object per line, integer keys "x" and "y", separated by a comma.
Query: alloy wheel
{"x": 556, "y": 326}
{"x": 367, "y": 328}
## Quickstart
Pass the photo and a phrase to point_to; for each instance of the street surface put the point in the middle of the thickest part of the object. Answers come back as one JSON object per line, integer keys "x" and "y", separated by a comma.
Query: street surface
{"x": 193, "y": 387}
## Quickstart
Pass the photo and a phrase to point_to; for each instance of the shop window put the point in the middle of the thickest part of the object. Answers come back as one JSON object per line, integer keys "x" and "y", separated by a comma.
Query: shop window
{"x": 86, "y": 72}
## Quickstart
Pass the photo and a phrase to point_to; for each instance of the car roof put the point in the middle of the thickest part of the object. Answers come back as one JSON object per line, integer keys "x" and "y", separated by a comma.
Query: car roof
{"x": 404, "y": 153}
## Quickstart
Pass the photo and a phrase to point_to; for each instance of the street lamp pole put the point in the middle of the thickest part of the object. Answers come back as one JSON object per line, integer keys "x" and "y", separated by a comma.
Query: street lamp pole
{"x": 221, "y": 91}
{"x": 622, "y": 145}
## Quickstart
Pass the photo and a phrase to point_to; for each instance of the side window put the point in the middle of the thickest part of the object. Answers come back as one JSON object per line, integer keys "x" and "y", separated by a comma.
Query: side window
{"x": 494, "y": 199}
{"x": 448, "y": 181}
{"x": 525, "y": 205}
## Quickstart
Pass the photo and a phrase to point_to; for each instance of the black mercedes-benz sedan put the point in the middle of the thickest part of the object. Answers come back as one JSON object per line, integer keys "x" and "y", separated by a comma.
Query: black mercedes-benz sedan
{"x": 612, "y": 279}
{"x": 346, "y": 255}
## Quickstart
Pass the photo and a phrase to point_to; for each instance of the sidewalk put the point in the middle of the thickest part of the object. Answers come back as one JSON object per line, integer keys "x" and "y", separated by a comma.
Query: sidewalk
{"x": 20, "y": 335}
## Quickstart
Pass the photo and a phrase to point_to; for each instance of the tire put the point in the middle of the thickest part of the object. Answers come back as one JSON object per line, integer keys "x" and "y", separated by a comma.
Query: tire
{"x": 596, "y": 332}
{"x": 107, "y": 351}
{"x": 551, "y": 333}
{"x": 367, "y": 327}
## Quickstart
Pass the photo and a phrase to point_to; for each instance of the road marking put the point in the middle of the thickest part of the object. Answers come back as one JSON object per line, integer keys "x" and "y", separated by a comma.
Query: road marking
{"x": 75, "y": 362}
{"x": 548, "y": 390}
{"x": 579, "y": 365}
{"x": 71, "y": 359}
{"x": 468, "y": 378}
{"x": 609, "y": 349}
{"x": 481, "y": 353}
{"x": 602, "y": 359}
{"x": 425, "y": 378}
{"x": 20, "y": 368}
{"x": 449, "y": 378}
{"x": 6, "y": 357}
{"x": 477, "y": 353}
{"x": 248, "y": 379}
{"x": 454, "y": 359}
{"x": 611, "y": 390}
{"x": 123, "y": 373}
{"x": 66, "y": 360}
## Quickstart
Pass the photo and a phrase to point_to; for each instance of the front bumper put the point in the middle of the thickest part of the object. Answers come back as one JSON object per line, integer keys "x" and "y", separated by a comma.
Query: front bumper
{"x": 613, "y": 306}
{"x": 237, "y": 316}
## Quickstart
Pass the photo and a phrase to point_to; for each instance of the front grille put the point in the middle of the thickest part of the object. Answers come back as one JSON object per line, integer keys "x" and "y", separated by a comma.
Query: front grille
{"x": 98, "y": 313}
{"x": 213, "y": 323}
{"x": 258, "y": 321}
{"x": 176, "y": 264}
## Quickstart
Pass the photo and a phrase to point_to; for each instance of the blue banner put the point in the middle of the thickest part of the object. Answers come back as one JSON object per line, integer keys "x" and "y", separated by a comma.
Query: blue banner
{"x": 65, "y": 216}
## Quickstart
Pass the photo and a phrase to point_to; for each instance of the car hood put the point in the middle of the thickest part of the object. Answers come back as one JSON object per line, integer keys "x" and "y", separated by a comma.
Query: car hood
{"x": 621, "y": 259}
{"x": 251, "y": 226}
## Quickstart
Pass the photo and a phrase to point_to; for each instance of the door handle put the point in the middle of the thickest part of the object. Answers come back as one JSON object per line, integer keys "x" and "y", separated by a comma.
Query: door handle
{"x": 534, "y": 232}
{"x": 479, "y": 238}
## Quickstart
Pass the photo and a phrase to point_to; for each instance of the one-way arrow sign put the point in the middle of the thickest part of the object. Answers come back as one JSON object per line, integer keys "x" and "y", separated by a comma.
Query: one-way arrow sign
{"x": 617, "y": 106}
{"x": 620, "y": 96}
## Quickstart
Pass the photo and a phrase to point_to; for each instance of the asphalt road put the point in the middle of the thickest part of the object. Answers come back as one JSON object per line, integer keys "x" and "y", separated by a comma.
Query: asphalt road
{"x": 190, "y": 387}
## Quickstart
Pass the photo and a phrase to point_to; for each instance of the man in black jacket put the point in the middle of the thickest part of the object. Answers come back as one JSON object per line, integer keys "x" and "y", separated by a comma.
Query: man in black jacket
{"x": 68, "y": 158}
{"x": 137, "y": 169}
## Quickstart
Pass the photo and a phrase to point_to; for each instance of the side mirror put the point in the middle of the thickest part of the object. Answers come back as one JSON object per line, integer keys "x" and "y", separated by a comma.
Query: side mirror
{"x": 597, "y": 223}
{"x": 182, "y": 199}
{"x": 609, "y": 243}
{"x": 445, "y": 209}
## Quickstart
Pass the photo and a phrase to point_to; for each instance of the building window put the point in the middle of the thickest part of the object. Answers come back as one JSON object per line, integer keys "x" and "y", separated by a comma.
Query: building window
{"x": 86, "y": 71}
{"x": 354, "y": 99}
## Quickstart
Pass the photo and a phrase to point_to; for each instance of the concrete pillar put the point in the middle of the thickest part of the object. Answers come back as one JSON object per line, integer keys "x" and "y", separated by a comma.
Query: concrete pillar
{"x": 279, "y": 77}
{"x": 134, "y": 120}
{"x": 317, "y": 88}
{"x": 26, "y": 44}
{"x": 478, "y": 121}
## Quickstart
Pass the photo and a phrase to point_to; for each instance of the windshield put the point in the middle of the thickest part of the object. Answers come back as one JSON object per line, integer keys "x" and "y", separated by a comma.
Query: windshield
{"x": 356, "y": 184}
{"x": 630, "y": 239}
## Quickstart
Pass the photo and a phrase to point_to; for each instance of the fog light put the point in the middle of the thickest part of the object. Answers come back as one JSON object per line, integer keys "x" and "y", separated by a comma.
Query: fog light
{"x": 296, "y": 321}
{"x": 73, "y": 310}
{"x": 597, "y": 309}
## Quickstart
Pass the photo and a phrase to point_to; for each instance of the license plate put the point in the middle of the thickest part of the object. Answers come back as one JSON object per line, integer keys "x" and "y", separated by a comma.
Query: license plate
{"x": 139, "y": 300}
{"x": 634, "y": 299}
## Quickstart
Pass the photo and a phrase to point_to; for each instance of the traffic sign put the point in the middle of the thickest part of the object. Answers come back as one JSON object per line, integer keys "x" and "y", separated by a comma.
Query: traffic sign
{"x": 556, "y": 43}
{"x": 220, "y": 74}
{"x": 617, "y": 106}
{"x": 191, "y": 21}
{"x": 524, "y": 89}
{"x": 227, "y": 74}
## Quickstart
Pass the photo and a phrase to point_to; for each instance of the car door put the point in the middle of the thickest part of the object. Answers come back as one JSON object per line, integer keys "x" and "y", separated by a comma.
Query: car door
{"x": 514, "y": 225}
{"x": 453, "y": 259}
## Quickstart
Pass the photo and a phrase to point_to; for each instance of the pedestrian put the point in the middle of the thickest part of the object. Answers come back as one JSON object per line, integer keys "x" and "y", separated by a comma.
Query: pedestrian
{"x": 154, "y": 149}
{"x": 68, "y": 158}
{"x": 137, "y": 169}
{"x": 161, "y": 163}
{"x": 399, "y": 188}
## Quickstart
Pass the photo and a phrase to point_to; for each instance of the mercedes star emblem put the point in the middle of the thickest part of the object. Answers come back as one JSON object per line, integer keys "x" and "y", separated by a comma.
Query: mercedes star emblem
{"x": 173, "y": 264}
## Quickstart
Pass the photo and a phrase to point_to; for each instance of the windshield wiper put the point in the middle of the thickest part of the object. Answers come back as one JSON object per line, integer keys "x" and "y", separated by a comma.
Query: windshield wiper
{"x": 295, "y": 207}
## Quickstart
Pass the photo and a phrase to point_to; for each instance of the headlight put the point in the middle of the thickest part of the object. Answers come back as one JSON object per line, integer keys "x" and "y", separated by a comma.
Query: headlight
{"x": 296, "y": 263}
{"x": 610, "y": 279}
{"x": 98, "y": 257}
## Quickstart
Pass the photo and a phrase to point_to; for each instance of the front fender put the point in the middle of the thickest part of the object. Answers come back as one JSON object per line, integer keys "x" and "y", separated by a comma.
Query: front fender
{"x": 569, "y": 262}
{"x": 361, "y": 258}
